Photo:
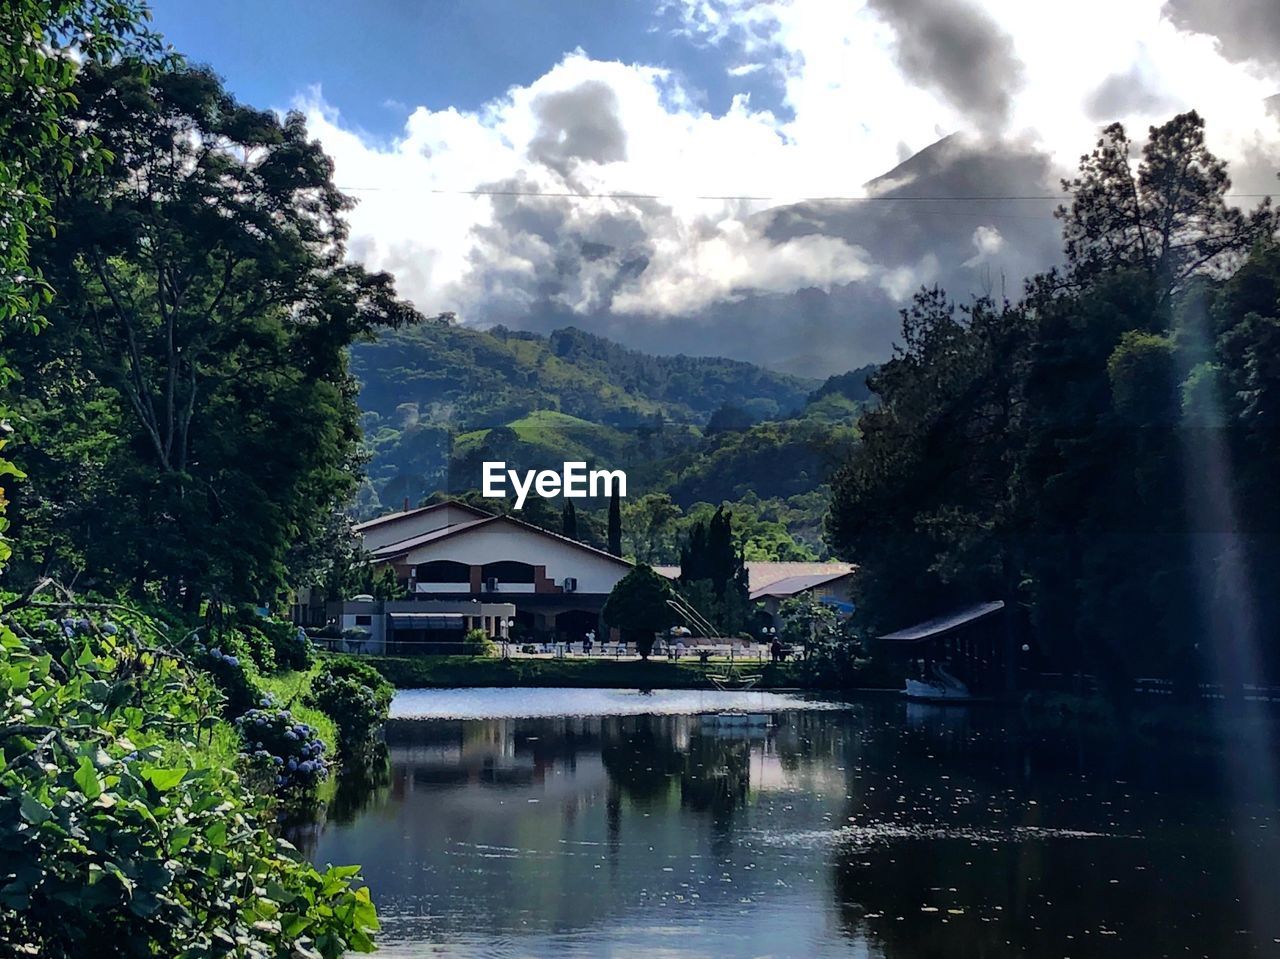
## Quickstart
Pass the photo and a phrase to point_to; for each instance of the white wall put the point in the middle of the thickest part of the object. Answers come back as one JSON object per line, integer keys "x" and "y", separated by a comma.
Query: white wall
{"x": 503, "y": 540}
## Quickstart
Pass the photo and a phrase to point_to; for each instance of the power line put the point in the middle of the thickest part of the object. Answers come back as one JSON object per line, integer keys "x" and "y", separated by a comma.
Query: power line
{"x": 569, "y": 195}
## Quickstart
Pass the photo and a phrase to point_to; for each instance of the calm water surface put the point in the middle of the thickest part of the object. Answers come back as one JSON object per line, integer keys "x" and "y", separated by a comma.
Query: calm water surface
{"x": 634, "y": 827}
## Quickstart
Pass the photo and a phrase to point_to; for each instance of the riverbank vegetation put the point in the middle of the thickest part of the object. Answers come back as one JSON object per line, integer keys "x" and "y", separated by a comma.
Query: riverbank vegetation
{"x": 1100, "y": 454}
{"x": 175, "y": 308}
{"x": 442, "y": 672}
{"x": 135, "y": 805}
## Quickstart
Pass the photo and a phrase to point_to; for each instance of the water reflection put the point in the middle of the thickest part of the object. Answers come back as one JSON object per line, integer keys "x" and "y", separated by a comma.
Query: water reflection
{"x": 869, "y": 831}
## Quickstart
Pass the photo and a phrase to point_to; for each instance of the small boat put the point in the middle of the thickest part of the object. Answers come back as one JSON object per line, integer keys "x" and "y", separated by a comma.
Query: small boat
{"x": 940, "y": 686}
{"x": 731, "y": 681}
{"x": 736, "y": 717}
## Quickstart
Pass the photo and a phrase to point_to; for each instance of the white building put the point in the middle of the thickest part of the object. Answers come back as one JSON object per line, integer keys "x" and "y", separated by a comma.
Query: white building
{"x": 454, "y": 552}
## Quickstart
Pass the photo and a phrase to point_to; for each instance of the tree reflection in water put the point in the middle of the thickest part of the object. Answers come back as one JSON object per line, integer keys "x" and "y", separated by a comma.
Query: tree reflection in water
{"x": 876, "y": 830}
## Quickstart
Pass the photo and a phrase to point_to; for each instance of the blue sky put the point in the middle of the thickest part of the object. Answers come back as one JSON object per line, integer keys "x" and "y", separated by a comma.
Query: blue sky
{"x": 375, "y": 60}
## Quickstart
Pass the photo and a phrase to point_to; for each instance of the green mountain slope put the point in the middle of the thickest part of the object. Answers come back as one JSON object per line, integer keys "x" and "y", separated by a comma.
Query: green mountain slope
{"x": 471, "y": 379}
{"x": 439, "y": 398}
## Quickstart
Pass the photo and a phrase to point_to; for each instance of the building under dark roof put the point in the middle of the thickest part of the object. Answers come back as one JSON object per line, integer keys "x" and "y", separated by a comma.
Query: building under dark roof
{"x": 940, "y": 626}
{"x": 970, "y": 642}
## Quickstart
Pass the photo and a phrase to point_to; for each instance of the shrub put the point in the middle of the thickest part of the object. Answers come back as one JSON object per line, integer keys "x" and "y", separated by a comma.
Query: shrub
{"x": 640, "y": 607}
{"x": 228, "y": 672}
{"x": 107, "y": 848}
{"x": 286, "y": 750}
{"x": 272, "y": 645}
{"x": 256, "y": 644}
{"x": 346, "y": 667}
{"x": 293, "y": 649}
{"x": 478, "y": 643}
{"x": 357, "y": 698}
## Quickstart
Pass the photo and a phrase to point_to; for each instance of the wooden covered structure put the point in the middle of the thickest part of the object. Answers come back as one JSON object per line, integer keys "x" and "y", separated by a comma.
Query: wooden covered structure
{"x": 970, "y": 642}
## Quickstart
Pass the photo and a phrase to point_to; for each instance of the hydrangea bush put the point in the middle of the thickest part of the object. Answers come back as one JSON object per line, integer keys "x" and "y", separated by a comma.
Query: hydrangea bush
{"x": 358, "y": 699}
{"x": 229, "y": 672}
{"x": 293, "y": 648}
{"x": 289, "y": 751}
{"x": 105, "y": 845}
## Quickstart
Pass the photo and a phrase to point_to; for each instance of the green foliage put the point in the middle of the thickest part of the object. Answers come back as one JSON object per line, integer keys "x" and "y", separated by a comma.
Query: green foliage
{"x": 350, "y": 667}
{"x": 104, "y": 843}
{"x": 1170, "y": 221}
{"x": 713, "y": 575}
{"x": 569, "y": 520}
{"x": 650, "y": 528}
{"x": 293, "y": 650}
{"x": 478, "y": 643}
{"x": 41, "y": 44}
{"x": 1100, "y": 454}
{"x": 358, "y": 699}
{"x": 231, "y": 675}
{"x": 615, "y": 524}
{"x": 424, "y": 384}
{"x": 202, "y": 325}
{"x": 258, "y": 646}
{"x": 288, "y": 753}
{"x": 639, "y": 607}
{"x": 806, "y": 623}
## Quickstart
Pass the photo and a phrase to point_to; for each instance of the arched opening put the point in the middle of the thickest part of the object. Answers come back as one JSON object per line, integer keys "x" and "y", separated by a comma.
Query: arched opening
{"x": 443, "y": 571}
{"x": 508, "y": 571}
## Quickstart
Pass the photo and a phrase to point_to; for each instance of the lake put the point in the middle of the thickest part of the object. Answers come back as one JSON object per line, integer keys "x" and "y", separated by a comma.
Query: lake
{"x": 618, "y": 823}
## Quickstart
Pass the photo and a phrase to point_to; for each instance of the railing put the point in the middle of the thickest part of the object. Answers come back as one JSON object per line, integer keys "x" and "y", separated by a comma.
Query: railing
{"x": 1087, "y": 684}
{"x": 1249, "y": 692}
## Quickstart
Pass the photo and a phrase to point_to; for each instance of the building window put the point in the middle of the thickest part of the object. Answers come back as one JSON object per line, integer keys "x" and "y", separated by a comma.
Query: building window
{"x": 364, "y": 620}
{"x": 443, "y": 571}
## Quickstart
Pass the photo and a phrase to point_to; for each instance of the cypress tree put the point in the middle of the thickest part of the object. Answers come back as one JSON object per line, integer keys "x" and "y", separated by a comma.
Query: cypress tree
{"x": 615, "y": 524}
{"x": 569, "y": 520}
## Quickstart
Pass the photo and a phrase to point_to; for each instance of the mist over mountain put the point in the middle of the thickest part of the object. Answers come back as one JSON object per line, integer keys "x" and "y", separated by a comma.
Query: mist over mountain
{"x": 923, "y": 222}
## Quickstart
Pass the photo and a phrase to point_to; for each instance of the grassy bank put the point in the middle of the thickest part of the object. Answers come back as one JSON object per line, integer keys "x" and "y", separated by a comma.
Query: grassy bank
{"x": 438, "y": 672}
{"x": 290, "y": 690}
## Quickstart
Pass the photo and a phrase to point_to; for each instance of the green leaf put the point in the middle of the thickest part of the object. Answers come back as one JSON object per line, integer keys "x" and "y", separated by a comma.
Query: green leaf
{"x": 33, "y": 810}
{"x": 163, "y": 778}
{"x": 86, "y": 778}
{"x": 217, "y": 834}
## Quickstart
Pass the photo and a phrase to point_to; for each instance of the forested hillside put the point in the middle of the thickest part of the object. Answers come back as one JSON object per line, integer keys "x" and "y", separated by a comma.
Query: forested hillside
{"x": 469, "y": 379}
{"x": 440, "y": 399}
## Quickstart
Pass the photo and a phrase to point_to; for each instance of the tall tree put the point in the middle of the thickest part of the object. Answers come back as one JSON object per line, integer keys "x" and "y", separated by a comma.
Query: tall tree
{"x": 1095, "y": 454}
{"x": 651, "y": 526}
{"x": 920, "y": 500}
{"x": 569, "y": 520}
{"x": 41, "y": 44}
{"x": 615, "y": 523}
{"x": 1169, "y": 218}
{"x": 713, "y": 574}
{"x": 204, "y": 317}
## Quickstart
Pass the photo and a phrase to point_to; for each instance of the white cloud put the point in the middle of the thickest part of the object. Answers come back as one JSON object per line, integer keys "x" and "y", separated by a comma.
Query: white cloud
{"x": 608, "y": 127}
{"x": 988, "y": 242}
